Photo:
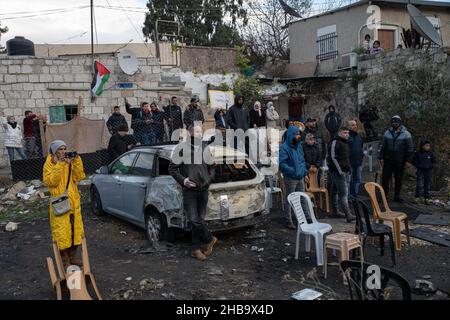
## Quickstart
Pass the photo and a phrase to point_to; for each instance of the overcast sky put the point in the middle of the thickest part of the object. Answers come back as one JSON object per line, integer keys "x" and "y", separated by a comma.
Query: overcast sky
{"x": 34, "y": 20}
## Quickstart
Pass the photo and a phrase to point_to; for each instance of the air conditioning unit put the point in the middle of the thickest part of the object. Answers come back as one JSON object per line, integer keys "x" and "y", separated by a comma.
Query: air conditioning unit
{"x": 347, "y": 61}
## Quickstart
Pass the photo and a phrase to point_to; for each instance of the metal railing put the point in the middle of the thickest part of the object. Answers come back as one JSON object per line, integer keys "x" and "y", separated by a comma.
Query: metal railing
{"x": 327, "y": 47}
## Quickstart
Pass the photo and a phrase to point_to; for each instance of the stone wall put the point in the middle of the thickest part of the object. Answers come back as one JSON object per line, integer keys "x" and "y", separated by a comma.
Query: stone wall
{"x": 375, "y": 65}
{"x": 30, "y": 83}
{"x": 209, "y": 60}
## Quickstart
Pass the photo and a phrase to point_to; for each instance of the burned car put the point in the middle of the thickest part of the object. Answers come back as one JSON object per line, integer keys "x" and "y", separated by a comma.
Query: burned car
{"x": 137, "y": 187}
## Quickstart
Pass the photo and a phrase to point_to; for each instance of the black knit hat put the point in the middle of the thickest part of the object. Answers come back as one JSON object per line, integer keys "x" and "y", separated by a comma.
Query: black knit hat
{"x": 424, "y": 142}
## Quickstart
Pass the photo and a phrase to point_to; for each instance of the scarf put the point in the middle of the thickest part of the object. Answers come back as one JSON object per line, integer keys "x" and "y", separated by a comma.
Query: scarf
{"x": 257, "y": 107}
{"x": 13, "y": 124}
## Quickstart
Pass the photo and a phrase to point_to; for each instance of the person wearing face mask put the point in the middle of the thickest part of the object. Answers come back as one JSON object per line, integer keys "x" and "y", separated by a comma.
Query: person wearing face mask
{"x": 13, "y": 139}
{"x": 397, "y": 151}
{"x": 59, "y": 172}
{"x": 257, "y": 116}
{"x": 271, "y": 115}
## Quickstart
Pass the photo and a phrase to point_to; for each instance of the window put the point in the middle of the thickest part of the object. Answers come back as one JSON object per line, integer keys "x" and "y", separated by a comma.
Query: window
{"x": 123, "y": 164}
{"x": 62, "y": 114}
{"x": 163, "y": 167}
{"x": 143, "y": 165}
{"x": 233, "y": 172}
{"x": 327, "y": 43}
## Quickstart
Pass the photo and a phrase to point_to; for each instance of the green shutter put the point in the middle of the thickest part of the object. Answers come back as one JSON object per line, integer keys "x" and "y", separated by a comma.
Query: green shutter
{"x": 57, "y": 114}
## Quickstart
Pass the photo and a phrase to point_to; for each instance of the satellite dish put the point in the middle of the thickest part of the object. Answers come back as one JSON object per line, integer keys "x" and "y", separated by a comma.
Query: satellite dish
{"x": 423, "y": 26}
{"x": 288, "y": 9}
{"x": 128, "y": 62}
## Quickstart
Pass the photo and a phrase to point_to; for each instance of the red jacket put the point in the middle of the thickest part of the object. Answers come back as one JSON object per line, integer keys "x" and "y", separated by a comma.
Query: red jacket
{"x": 28, "y": 128}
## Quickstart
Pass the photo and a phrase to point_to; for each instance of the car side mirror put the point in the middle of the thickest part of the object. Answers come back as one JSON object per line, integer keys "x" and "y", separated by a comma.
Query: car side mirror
{"x": 103, "y": 170}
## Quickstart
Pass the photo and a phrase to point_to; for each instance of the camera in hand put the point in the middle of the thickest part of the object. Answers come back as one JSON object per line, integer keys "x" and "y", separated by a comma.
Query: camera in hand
{"x": 71, "y": 154}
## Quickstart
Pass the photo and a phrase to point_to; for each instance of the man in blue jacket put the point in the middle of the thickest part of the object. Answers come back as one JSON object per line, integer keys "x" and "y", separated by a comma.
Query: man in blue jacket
{"x": 292, "y": 166}
{"x": 356, "y": 155}
{"x": 396, "y": 152}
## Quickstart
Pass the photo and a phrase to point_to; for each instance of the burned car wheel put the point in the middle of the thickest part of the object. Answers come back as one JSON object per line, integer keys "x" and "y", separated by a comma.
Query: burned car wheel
{"x": 96, "y": 203}
{"x": 156, "y": 228}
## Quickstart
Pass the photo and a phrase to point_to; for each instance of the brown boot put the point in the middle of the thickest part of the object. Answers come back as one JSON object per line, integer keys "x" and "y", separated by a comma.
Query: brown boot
{"x": 198, "y": 254}
{"x": 65, "y": 258}
{"x": 207, "y": 250}
{"x": 73, "y": 256}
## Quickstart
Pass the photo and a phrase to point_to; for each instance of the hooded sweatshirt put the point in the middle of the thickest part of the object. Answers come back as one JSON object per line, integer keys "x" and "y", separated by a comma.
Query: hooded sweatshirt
{"x": 291, "y": 159}
{"x": 333, "y": 120}
{"x": 237, "y": 115}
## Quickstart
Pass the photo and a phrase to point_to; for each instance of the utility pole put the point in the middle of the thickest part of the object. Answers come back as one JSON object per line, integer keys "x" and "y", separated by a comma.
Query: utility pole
{"x": 92, "y": 45}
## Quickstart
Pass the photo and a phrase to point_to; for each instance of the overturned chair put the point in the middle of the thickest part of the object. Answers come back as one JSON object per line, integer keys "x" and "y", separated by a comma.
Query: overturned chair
{"x": 75, "y": 279}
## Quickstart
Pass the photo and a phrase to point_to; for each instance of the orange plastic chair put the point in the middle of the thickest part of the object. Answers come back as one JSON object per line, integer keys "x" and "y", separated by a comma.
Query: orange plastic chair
{"x": 314, "y": 187}
{"x": 395, "y": 217}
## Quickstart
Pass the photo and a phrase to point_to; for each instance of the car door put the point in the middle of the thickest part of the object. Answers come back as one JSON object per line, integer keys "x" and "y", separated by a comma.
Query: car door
{"x": 111, "y": 186}
{"x": 134, "y": 187}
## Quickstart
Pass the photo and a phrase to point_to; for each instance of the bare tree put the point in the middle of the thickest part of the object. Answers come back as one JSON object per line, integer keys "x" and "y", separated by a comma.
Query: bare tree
{"x": 266, "y": 34}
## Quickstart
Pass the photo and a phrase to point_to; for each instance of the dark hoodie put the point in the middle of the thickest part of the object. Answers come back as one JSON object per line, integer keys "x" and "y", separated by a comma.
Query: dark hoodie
{"x": 237, "y": 116}
{"x": 291, "y": 159}
{"x": 202, "y": 174}
{"x": 423, "y": 160}
{"x": 333, "y": 120}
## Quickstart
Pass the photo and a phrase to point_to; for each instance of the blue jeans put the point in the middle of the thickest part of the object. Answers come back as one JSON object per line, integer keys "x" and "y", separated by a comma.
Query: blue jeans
{"x": 338, "y": 186}
{"x": 153, "y": 137}
{"x": 423, "y": 182}
{"x": 145, "y": 138}
{"x": 19, "y": 151}
{"x": 355, "y": 181}
{"x": 292, "y": 185}
{"x": 195, "y": 203}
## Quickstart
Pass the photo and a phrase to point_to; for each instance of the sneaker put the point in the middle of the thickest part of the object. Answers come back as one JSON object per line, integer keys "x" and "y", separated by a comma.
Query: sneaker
{"x": 198, "y": 254}
{"x": 336, "y": 214}
{"x": 207, "y": 250}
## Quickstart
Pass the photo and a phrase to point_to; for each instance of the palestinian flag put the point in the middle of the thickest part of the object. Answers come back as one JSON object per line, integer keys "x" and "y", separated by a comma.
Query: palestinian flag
{"x": 101, "y": 75}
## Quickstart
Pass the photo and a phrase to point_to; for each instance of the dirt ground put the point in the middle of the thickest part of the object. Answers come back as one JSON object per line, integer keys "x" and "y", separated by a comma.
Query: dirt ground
{"x": 126, "y": 267}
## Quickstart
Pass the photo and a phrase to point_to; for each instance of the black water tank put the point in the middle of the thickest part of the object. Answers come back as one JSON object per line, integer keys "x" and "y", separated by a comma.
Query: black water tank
{"x": 19, "y": 46}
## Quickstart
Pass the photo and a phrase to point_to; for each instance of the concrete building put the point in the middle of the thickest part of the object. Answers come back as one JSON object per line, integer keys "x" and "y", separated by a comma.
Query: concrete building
{"x": 327, "y": 36}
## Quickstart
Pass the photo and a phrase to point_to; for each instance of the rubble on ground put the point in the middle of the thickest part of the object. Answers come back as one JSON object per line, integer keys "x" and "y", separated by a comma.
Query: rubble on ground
{"x": 11, "y": 226}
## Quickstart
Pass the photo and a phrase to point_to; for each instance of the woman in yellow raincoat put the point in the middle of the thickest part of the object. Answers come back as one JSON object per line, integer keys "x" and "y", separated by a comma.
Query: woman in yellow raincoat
{"x": 67, "y": 230}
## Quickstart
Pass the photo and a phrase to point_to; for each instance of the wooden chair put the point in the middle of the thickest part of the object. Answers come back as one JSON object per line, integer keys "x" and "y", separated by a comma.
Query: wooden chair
{"x": 74, "y": 279}
{"x": 395, "y": 217}
{"x": 283, "y": 190}
{"x": 314, "y": 188}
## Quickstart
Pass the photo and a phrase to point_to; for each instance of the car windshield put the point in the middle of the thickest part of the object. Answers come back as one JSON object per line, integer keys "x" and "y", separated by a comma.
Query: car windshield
{"x": 226, "y": 172}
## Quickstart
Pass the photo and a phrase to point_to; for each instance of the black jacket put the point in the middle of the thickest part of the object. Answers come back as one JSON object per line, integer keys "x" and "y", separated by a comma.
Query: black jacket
{"x": 320, "y": 141}
{"x": 192, "y": 114}
{"x": 202, "y": 174}
{"x": 260, "y": 121}
{"x": 119, "y": 145}
{"x": 397, "y": 146}
{"x": 355, "y": 144}
{"x": 312, "y": 155}
{"x": 114, "y": 121}
{"x": 237, "y": 116}
{"x": 174, "y": 112}
{"x": 333, "y": 120}
{"x": 135, "y": 114}
{"x": 424, "y": 160}
{"x": 338, "y": 156}
{"x": 140, "y": 124}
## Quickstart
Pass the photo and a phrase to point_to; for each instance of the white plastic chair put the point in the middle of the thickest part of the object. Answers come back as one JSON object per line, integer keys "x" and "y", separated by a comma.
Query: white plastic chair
{"x": 315, "y": 229}
{"x": 274, "y": 189}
